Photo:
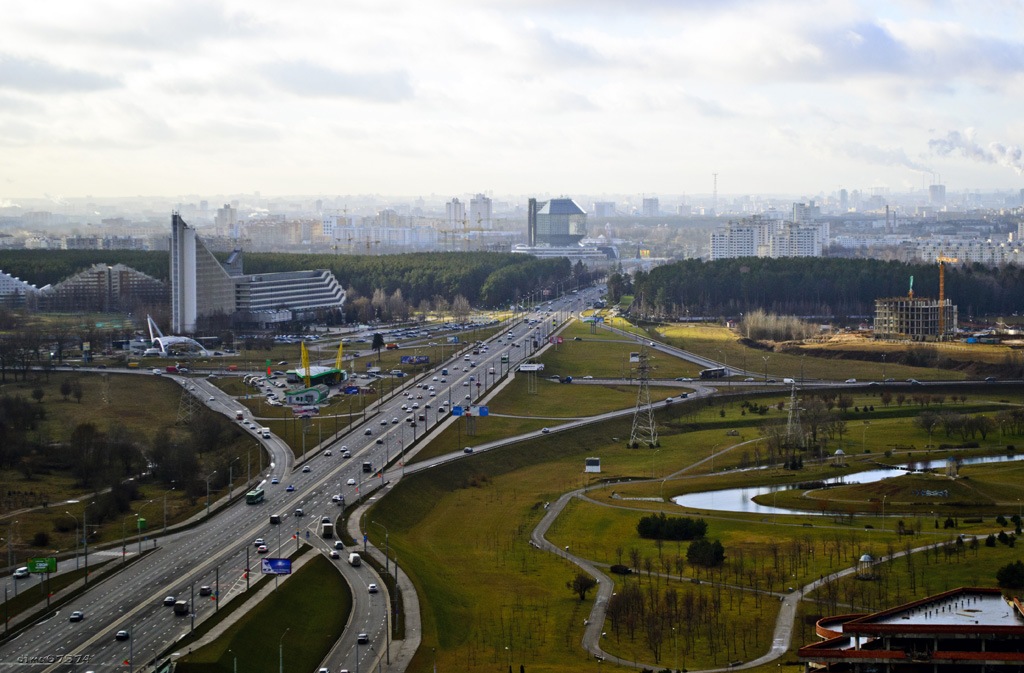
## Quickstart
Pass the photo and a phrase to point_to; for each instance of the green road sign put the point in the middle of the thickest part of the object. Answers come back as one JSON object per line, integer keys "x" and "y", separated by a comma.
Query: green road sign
{"x": 504, "y": 358}
{"x": 46, "y": 564}
{"x": 142, "y": 523}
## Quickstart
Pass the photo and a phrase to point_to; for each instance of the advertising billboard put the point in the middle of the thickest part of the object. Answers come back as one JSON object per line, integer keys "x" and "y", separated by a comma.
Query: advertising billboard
{"x": 276, "y": 566}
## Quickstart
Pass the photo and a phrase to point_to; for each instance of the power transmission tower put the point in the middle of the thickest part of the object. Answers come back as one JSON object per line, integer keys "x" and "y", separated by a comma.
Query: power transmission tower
{"x": 645, "y": 430}
{"x": 794, "y": 432}
{"x": 188, "y": 405}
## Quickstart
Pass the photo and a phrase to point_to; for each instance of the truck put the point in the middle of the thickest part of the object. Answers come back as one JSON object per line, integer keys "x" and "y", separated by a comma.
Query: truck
{"x": 444, "y": 372}
{"x": 181, "y": 608}
{"x": 326, "y": 530}
{"x": 171, "y": 369}
{"x": 367, "y": 466}
{"x": 265, "y": 433}
{"x": 275, "y": 518}
{"x": 355, "y": 560}
{"x": 391, "y": 346}
{"x": 239, "y": 415}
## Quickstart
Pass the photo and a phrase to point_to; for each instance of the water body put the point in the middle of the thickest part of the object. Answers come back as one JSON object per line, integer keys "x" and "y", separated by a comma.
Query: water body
{"x": 742, "y": 499}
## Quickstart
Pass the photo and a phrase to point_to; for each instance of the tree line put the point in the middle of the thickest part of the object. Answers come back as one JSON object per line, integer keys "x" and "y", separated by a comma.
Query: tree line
{"x": 811, "y": 286}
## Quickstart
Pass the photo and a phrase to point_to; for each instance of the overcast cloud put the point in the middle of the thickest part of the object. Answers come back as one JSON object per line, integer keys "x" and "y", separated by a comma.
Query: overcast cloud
{"x": 515, "y": 96}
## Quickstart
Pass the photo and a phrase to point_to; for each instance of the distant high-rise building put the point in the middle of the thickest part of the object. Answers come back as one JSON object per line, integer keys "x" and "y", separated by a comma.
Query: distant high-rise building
{"x": 604, "y": 209}
{"x": 480, "y": 212}
{"x": 454, "y": 214}
{"x": 806, "y": 212}
{"x": 937, "y": 195}
{"x": 558, "y": 222}
{"x": 844, "y": 200}
{"x": 649, "y": 207}
{"x": 226, "y": 220}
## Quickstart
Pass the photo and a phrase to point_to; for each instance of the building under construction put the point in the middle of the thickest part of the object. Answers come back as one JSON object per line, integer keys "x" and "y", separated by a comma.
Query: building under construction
{"x": 915, "y": 318}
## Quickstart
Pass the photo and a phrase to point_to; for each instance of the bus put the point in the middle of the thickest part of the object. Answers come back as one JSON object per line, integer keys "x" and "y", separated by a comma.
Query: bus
{"x": 714, "y": 373}
{"x": 254, "y": 497}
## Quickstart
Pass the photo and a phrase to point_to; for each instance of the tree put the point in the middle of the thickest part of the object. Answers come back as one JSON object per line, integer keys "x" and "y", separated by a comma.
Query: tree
{"x": 37, "y": 394}
{"x": 1011, "y": 576}
{"x": 581, "y": 584}
{"x": 378, "y": 343}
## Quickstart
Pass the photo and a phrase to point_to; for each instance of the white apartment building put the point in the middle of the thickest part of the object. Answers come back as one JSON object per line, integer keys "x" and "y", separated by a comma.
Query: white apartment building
{"x": 756, "y": 237}
{"x": 990, "y": 253}
{"x": 454, "y": 214}
{"x": 480, "y": 213}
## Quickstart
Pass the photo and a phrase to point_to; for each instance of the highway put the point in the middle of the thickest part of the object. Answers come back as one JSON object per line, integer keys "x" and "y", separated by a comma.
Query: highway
{"x": 217, "y": 552}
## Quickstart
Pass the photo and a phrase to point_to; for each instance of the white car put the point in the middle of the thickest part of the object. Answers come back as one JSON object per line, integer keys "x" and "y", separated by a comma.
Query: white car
{"x": 851, "y": 380}
{"x": 351, "y": 481}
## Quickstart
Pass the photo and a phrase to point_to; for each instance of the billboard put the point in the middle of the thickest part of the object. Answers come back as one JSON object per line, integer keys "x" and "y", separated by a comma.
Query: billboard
{"x": 43, "y": 564}
{"x": 415, "y": 359}
{"x": 276, "y": 566}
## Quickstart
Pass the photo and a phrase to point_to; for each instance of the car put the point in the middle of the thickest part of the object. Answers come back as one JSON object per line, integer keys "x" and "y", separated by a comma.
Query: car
{"x": 913, "y": 382}
{"x": 368, "y": 432}
{"x": 169, "y": 601}
{"x": 363, "y": 638}
{"x": 380, "y": 440}
{"x": 351, "y": 481}
{"x": 990, "y": 379}
{"x": 468, "y": 449}
{"x": 21, "y": 573}
{"x": 334, "y": 554}
{"x": 383, "y": 421}
{"x": 259, "y": 541}
{"x": 122, "y": 635}
{"x": 468, "y": 397}
{"x": 465, "y": 384}
{"x": 299, "y": 512}
{"x": 338, "y": 544}
{"x": 545, "y": 430}
{"x": 275, "y": 480}
{"x": 434, "y": 379}
{"x": 587, "y": 377}
{"x": 76, "y": 616}
{"x": 211, "y": 398}
{"x": 328, "y": 452}
{"x": 346, "y": 454}
{"x": 306, "y": 468}
{"x": 372, "y": 588}
{"x": 337, "y": 499}
{"x": 282, "y": 363}
{"x": 749, "y": 379}
{"x": 262, "y": 549}
{"x": 889, "y": 381}
{"x": 291, "y": 488}
{"x": 394, "y": 421}
{"x": 851, "y": 380}
{"x": 206, "y": 590}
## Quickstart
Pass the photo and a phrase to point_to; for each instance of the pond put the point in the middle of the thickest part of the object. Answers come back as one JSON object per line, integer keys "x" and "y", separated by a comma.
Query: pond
{"x": 741, "y": 499}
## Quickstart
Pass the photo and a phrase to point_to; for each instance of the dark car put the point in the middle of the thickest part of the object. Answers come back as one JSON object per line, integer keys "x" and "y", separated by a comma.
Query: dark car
{"x": 76, "y": 616}
{"x": 122, "y": 635}
{"x": 205, "y": 590}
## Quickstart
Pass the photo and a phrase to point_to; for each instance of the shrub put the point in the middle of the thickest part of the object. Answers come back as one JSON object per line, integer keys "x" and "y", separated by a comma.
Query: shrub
{"x": 41, "y": 539}
{"x": 661, "y": 527}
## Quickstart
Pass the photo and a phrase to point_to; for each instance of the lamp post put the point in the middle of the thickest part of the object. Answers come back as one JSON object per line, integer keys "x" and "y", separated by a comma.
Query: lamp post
{"x": 208, "y": 477}
{"x": 863, "y": 434}
{"x": 725, "y": 359}
{"x": 280, "y": 652}
{"x": 165, "y": 507}
{"x": 138, "y": 524}
{"x": 765, "y": 358}
{"x": 883, "y": 367}
{"x": 231, "y": 480}
{"x": 85, "y": 540}
{"x": 77, "y": 539}
{"x": 387, "y": 546}
{"x": 234, "y": 661}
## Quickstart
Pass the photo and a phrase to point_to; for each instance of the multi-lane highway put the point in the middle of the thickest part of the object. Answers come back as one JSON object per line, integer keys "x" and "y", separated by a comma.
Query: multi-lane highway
{"x": 217, "y": 552}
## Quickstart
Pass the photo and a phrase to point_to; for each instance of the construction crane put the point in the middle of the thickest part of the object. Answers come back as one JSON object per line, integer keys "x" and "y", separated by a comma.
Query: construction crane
{"x": 943, "y": 260}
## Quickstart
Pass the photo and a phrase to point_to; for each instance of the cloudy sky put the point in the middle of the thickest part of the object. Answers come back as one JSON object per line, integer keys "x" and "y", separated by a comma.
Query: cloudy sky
{"x": 167, "y": 97}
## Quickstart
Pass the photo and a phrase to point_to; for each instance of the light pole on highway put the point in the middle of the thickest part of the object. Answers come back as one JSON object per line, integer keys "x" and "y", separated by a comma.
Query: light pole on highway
{"x": 234, "y": 661}
{"x": 165, "y": 505}
{"x": 138, "y": 524}
{"x": 77, "y": 539}
{"x": 387, "y": 546}
{"x": 280, "y": 652}
{"x": 85, "y": 539}
{"x": 765, "y": 358}
{"x": 231, "y": 475}
{"x": 208, "y": 477}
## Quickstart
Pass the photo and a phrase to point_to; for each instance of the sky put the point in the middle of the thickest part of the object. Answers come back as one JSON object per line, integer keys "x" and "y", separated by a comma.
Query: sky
{"x": 437, "y": 97}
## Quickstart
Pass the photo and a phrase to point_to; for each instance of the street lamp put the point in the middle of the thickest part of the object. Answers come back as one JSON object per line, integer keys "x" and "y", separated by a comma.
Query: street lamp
{"x": 138, "y": 524}
{"x": 165, "y": 507}
{"x": 208, "y": 477}
{"x": 280, "y": 652}
{"x": 234, "y": 661}
{"x": 387, "y": 546}
{"x": 85, "y": 539}
{"x": 231, "y": 482}
{"x": 765, "y": 358}
{"x": 77, "y": 539}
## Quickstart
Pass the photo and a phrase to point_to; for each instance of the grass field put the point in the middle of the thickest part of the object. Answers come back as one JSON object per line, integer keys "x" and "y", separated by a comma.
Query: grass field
{"x": 313, "y": 605}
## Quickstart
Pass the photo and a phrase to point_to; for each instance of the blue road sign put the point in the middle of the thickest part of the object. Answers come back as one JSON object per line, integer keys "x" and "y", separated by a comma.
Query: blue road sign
{"x": 457, "y": 411}
{"x": 482, "y": 411}
{"x": 276, "y": 566}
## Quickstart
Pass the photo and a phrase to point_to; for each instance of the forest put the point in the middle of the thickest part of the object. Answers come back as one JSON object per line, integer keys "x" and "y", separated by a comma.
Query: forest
{"x": 812, "y": 286}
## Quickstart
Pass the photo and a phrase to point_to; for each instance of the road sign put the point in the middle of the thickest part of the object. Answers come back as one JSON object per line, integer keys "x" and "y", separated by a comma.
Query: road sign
{"x": 457, "y": 411}
{"x": 43, "y": 564}
{"x": 504, "y": 358}
{"x": 276, "y": 566}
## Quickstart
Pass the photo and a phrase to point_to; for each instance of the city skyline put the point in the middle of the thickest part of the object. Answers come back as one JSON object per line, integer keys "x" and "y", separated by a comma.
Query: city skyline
{"x": 113, "y": 99}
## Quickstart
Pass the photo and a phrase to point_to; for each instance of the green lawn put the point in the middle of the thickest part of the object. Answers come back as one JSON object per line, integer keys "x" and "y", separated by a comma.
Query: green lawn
{"x": 313, "y": 605}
